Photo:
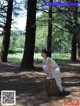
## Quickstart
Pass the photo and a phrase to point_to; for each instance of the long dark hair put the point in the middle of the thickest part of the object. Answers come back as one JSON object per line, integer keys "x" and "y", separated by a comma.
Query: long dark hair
{"x": 46, "y": 52}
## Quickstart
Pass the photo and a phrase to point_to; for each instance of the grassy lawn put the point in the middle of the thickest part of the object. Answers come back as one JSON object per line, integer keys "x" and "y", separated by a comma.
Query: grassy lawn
{"x": 37, "y": 57}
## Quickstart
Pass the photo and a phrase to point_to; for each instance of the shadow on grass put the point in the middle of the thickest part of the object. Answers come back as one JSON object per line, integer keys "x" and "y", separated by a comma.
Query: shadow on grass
{"x": 71, "y": 67}
{"x": 71, "y": 81}
{"x": 30, "y": 91}
{"x": 30, "y": 88}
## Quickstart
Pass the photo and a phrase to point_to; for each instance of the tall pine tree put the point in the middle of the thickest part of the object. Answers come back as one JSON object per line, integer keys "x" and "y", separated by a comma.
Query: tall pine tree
{"x": 49, "y": 37}
{"x": 7, "y": 30}
{"x": 27, "y": 61}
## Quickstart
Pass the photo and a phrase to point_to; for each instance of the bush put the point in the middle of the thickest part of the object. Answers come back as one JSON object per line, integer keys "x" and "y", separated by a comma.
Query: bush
{"x": 12, "y": 50}
{"x": 19, "y": 43}
{"x": 16, "y": 50}
{"x": 19, "y": 50}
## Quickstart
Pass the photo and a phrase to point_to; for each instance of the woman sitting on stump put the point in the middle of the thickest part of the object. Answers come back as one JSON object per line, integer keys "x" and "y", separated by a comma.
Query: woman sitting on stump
{"x": 52, "y": 69}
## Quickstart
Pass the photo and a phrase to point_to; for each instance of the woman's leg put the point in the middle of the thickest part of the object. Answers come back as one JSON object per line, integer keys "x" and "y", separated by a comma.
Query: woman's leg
{"x": 58, "y": 79}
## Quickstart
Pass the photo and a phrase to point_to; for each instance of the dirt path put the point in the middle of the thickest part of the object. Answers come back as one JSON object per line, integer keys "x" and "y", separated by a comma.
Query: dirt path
{"x": 29, "y": 85}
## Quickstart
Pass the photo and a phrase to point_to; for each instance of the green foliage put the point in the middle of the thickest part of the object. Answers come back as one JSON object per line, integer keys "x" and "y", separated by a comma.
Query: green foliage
{"x": 20, "y": 42}
{"x": 61, "y": 38}
{"x": 1, "y": 42}
{"x": 17, "y": 42}
{"x": 61, "y": 41}
{"x": 12, "y": 45}
{"x": 12, "y": 49}
{"x": 19, "y": 50}
{"x": 41, "y": 35}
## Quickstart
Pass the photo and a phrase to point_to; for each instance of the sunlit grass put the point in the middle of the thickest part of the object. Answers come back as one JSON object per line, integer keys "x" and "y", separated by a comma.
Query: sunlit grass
{"x": 37, "y": 57}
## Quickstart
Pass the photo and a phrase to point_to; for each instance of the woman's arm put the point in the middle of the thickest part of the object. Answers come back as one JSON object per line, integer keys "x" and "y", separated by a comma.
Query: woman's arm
{"x": 49, "y": 72}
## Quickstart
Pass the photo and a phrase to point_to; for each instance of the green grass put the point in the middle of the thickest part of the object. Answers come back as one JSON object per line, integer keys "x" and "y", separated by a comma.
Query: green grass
{"x": 60, "y": 58}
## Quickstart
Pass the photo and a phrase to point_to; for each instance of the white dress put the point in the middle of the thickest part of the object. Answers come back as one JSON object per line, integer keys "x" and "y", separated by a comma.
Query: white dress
{"x": 55, "y": 72}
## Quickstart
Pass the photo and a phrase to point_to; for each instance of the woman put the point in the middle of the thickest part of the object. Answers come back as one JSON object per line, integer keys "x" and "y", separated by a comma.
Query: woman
{"x": 52, "y": 69}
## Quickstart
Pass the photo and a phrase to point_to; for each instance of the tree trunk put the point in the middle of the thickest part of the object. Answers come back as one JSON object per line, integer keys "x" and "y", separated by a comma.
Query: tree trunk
{"x": 28, "y": 56}
{"x": 49, "y": 38}
{"x": 79, "y": 46}
{"x": 75, "y": 34}
{"x": 6, "y": 36}
{"x": 73, "y": 52}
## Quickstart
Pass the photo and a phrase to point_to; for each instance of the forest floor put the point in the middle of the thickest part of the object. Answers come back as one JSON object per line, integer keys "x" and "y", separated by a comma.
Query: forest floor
{"x": 29, "y": 85}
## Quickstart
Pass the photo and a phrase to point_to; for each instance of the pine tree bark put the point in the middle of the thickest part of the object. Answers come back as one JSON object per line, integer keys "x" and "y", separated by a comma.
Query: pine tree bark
{"x": 79, "y": 46}
{"x": 28, "y": 56}
{"x": 7, "y": 30}
{"x": 49, "y": 38}
{"x": 73, "y": 52}
{"x": 75, "y": 35}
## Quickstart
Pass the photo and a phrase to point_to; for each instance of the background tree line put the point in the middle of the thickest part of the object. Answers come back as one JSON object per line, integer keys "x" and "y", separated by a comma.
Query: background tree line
{"x": 57, "y": 29}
